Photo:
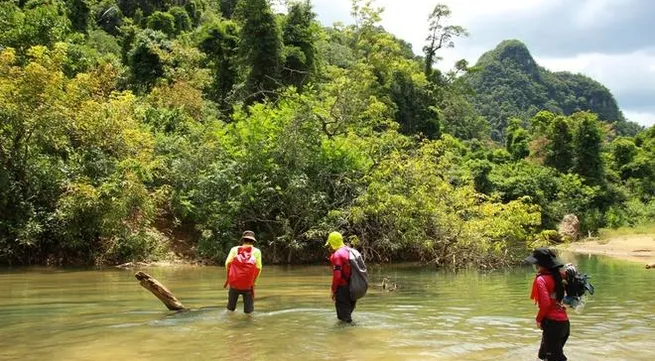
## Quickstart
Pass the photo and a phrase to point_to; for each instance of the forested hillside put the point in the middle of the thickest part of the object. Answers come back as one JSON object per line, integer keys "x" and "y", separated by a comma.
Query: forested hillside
{"x": 507, "y": 82}
{"x": 130, "y": 129}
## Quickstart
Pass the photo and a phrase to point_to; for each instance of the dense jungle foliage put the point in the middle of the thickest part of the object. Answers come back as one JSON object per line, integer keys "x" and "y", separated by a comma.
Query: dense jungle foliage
{"x": 132, "y": 129}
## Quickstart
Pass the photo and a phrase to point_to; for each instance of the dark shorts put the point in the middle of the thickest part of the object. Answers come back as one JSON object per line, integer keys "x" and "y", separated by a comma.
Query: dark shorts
{"x": 233, "y": 297}
{"x": 554, "y": 336}
{"x": 344, "y": 304}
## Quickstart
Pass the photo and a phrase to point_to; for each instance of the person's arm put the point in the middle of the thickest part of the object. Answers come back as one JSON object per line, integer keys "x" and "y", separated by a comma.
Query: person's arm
{"x": 258, "y": 259}
{"x": 543, "y": 298}
{"x": 337, "y": 271}
{"x": 230, "y": 256}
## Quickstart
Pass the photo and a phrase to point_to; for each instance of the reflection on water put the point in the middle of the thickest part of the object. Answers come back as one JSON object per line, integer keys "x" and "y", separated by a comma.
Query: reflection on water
{"x": 106, "y": 315}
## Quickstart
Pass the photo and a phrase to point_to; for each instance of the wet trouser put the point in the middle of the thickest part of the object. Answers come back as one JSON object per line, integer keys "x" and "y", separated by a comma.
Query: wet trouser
{"x": 344, "y": 304}
{"x": 555, "y": 334}
{"x": 248, "y": 300}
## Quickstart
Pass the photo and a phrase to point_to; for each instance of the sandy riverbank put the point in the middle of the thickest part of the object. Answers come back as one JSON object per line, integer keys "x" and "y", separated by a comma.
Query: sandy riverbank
{"x": 636, "y": 248}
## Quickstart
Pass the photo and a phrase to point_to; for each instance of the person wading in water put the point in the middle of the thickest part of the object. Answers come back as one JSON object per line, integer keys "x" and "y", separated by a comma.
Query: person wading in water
{"x": 548, "y": 293}
{"x": 340, "y": 291}
{"x": 243, "y": 264}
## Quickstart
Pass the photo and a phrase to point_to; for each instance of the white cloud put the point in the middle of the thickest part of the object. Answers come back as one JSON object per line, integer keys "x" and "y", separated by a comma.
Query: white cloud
{"x": 597, "y": 13}
{"x": 408, "y": 19}
{"x": 630, "y": 76}
{"x": 620, "y": 72}
{"x": 643, "y": 118}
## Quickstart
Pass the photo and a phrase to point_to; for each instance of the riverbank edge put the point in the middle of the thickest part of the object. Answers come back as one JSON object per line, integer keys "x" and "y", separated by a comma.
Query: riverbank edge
{"x": 639, "y": 248}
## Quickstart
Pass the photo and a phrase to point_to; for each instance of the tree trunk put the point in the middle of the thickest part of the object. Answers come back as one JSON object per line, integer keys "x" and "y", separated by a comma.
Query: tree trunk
{"x": 160, "y": 291}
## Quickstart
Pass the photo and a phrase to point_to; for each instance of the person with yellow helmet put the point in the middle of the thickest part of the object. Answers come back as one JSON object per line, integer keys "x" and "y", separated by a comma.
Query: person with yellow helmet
{"x": 341, "y": 272}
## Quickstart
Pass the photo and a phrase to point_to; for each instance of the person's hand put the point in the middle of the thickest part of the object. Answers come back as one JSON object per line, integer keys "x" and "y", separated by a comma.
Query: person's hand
{"x": 539, "y": 325}
{"x": 333, "y": 297}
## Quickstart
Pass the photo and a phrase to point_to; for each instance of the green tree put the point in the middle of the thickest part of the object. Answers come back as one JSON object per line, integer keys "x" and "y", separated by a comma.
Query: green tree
{"x": 163, "y": 22}
{"x": 299, "y": 36}
{"x": 587, "y": 146}
{"x": 127, "y": 39}
{"x": 554, "y": 193}
{"x": 228, "y": 7}
{"x": 35, "y": 24}
{"x": 182, "y": 20}
{"x": 147, "y": 7}
{"x": 220, "y": 42}
{"x": 457, "y": 114}
{"x": 624, "y": 150}
{"x": 416, "y": 109}
{"x": 519, "y": 147}
{"x": 440, "y": 35}
{"x": 261, "y": 50}
{"x": 559, "y": 152}
{"x": 146, "y": 59}
{"x": 480, "y": 169}
{"x": 518, "y": 139}
{"x": 10, "y": 26}
{"x": 194, "y": 9}
{"x": 72, "y": 174}
{"x": 79, "y": 14}
{"x": 108, "y": 16}
{"x": 540, "y": 123}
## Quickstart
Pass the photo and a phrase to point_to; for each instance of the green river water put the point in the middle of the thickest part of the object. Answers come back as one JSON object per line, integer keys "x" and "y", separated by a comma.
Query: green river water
{"x": 59, "y": 314}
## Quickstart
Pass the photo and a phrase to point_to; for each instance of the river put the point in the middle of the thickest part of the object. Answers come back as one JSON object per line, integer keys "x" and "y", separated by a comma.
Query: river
{"x": 72, "y": 314}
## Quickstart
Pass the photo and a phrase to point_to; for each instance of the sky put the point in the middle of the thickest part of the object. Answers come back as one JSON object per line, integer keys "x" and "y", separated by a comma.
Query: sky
{"x": 610, "y": 41}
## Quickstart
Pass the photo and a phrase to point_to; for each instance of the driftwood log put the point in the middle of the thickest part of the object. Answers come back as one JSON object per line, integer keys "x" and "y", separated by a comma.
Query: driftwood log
{"x": 159, "y": 290}
{"x": 650, "y": 265}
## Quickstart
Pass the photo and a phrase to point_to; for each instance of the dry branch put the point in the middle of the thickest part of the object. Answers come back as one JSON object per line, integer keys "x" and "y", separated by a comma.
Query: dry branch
{"x": 159, "y": 290}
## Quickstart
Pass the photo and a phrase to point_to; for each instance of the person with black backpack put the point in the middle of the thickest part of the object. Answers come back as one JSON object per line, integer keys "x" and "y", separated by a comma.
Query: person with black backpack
{"x": 548, "y": 291}
{"x": 349, "y": 276}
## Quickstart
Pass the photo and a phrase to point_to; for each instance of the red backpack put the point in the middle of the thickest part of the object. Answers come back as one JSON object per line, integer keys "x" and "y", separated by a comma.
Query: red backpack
{"x": 242, "y": 270}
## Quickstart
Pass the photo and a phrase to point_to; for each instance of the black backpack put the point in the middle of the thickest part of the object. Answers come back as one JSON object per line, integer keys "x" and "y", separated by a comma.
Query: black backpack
{"x": 358, "y": 275}
{"x": 577, "y": 283}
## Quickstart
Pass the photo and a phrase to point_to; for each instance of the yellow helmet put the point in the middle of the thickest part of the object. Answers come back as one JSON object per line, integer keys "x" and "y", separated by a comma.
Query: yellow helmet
{"x": 335, "y": 240}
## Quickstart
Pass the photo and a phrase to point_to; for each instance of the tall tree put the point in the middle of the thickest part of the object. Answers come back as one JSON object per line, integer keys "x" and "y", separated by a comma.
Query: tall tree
{"x": 78, "y": 13}
{"x": 299, "y": 37}
{"x": 220, "y": 42}
{"x": 518, "y": 140}
{"x": 624, "y": 151}
{"x": 559, "y": 153}
{"x": 163, "y": 22}
{"x": 416, "y": 110}
{"x": 182, "y": 20}
{"x": 109, "y": 17}
{"x": 228, "y": 7}
{"x": 261, "y": 49}
{"x": 145, "y": 59}
{"x": 440, "y": 36}
{"x": 587, "y": 142}
{"x": 194, "y": 9}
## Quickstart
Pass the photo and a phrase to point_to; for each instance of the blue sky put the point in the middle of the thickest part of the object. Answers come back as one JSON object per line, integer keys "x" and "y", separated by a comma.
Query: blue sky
{"x": 608, "y": 40}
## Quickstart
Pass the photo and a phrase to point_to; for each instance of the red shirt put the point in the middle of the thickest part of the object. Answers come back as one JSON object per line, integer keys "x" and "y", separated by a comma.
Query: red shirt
{"x": 543, "y": 292}
{"x": 340, "y": 268}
